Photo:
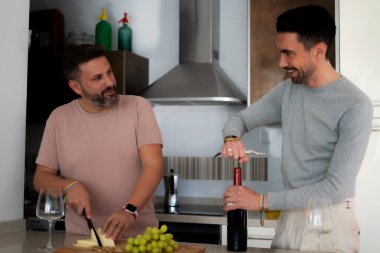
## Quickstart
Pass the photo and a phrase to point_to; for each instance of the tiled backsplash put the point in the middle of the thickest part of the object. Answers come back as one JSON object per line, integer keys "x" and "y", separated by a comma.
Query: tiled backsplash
{"x": 216, "y": 168}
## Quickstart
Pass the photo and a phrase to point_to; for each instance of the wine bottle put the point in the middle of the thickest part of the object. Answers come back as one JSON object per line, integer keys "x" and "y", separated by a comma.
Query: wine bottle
{"x": 237, "y": 223}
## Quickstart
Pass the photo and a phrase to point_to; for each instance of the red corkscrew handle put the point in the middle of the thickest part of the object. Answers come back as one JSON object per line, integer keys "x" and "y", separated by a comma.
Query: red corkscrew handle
{"x": 237, "y": 176}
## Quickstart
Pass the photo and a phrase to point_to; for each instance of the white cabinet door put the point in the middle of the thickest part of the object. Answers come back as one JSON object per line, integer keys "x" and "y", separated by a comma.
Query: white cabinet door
{"x": 359, "y": 44}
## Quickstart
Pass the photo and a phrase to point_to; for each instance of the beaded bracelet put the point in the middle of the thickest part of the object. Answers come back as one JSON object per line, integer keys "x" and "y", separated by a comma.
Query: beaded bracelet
{"x": 70, "y": 185}
{"x": 262, "y": 209}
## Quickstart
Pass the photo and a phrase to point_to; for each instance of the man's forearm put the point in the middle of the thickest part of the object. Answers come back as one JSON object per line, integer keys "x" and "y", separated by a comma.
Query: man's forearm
{"x": 48, "y": 178}
{"x": 152, "y": 172}
{"x": 146, "y": 186}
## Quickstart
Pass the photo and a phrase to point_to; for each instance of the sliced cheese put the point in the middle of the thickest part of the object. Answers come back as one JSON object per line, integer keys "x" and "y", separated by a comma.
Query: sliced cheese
{"x": 87, "y": 242}
{"x": 106, "y": 242}
{"x": 82, "y": 246}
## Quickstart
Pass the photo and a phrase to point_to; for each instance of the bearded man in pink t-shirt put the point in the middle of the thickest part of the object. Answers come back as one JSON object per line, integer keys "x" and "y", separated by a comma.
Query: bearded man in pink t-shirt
{"x": 103, "y": 150}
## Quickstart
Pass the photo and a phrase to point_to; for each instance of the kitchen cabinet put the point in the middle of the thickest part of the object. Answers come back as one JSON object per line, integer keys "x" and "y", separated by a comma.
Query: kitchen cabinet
{"x": 264, "y": 72}
{"x": 46, "y": 85}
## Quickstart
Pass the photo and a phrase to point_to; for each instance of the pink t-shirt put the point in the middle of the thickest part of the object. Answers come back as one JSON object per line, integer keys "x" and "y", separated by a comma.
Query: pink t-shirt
{"x": 101, "y": 152}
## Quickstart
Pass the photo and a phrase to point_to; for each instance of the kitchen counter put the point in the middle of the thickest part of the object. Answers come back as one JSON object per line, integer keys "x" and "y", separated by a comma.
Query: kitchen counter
{"x": 29, "y": 241}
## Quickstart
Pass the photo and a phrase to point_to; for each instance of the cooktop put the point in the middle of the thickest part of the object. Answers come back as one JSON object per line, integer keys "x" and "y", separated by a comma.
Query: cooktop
{"x": 207, "y": 210}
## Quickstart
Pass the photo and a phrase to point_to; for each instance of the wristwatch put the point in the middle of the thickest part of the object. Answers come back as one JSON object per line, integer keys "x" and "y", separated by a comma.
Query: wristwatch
{"x": 132, "y": 209}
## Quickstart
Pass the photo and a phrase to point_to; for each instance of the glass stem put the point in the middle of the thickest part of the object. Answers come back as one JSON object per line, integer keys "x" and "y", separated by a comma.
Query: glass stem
{"x": 49, "y": 245}
{"x": 318, "y": 242}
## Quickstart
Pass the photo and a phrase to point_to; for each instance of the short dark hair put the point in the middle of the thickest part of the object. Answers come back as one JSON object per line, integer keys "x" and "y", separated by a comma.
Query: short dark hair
{"x": 312, "y": 23}
{"x": 74, "y": 55}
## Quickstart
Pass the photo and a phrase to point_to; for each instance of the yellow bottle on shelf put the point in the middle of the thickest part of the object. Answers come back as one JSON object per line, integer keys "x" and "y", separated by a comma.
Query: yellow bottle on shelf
{"x": 103, "y": 32}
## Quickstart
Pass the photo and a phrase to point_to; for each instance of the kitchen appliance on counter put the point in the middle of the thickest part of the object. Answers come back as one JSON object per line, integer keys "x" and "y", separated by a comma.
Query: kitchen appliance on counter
{"x": 171, "y": 181}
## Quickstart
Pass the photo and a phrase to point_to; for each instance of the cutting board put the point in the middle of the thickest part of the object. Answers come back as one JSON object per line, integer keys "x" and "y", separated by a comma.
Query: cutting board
{"x": 183, "y": 248}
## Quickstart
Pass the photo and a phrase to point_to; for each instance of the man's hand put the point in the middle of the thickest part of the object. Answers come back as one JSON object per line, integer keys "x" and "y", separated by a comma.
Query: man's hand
{"x": 241, "y": 197}
{"x": 117, "y": 224}
{"x": 79, "y": 199}
{"x": 235, "y": 149}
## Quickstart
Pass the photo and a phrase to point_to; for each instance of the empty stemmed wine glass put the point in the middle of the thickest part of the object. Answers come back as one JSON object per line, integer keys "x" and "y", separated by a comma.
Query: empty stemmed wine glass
{"x": 318, "y": 217}
{"x": 50, "y": 207}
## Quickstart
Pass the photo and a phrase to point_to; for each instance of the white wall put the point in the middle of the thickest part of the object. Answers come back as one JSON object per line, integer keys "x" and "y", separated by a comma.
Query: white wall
{"x": 13, "y": 75}
{"x": 360, "y": 51}
{"x": 233, "y": 41}
{"x": 359, "y": 45}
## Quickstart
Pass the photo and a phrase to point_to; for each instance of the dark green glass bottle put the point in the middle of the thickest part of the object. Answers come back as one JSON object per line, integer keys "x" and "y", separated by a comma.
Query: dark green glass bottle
{"x": 103, "y": 32}
{"x": 124, "y": 35}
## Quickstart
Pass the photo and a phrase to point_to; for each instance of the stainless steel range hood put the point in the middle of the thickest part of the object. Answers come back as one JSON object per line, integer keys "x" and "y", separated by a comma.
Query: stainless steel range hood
{"x": 197, "y": 79}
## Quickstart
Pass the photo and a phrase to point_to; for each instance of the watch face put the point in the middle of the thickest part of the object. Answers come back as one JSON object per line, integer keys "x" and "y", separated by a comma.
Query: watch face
{"x": 131, "y": 208}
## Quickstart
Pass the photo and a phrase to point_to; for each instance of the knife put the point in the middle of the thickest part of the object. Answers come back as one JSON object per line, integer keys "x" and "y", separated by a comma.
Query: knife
{"x": 91, "y": 226}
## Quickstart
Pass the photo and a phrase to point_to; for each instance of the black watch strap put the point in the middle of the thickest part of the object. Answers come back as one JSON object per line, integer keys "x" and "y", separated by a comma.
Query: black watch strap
{"x": 132, "y": 209}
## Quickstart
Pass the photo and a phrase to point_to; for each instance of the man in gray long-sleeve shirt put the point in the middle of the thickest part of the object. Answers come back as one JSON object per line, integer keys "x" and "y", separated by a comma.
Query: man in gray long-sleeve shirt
{"x": 326, "y": 123}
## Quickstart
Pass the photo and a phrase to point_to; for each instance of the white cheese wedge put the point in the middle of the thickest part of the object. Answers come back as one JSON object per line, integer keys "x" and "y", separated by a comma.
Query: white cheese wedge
{"x": 89, "y": 243}
{"x": 106, "y": 242}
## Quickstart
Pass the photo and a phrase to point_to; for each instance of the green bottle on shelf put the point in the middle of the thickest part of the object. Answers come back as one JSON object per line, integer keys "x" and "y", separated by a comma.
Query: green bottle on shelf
{"x": 103, "y": 32}
{"x": 124, "y": 35}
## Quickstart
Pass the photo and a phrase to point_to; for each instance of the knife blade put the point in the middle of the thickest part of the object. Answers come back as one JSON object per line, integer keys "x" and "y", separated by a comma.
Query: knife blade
{"x": 91, "y": 226}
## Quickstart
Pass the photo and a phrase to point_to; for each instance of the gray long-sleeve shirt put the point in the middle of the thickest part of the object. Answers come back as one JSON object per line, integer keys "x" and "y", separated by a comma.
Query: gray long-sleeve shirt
{"x": 325, "y": 132}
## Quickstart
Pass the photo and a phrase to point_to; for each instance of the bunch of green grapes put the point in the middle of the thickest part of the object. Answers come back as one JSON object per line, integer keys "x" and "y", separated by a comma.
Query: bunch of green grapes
{"x": 153, "y": 240}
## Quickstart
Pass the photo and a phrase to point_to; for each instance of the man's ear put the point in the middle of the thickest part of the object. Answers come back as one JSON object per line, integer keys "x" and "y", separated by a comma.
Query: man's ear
{"x": 75, "y": 86}
{"x": 320, "y": 49}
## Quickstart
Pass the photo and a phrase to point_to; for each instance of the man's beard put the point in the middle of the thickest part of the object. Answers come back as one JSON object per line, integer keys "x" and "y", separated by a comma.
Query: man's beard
{"x": 102, "y": 100}
{"x": 299, "y": 79}
{"x": 301, "y": 75}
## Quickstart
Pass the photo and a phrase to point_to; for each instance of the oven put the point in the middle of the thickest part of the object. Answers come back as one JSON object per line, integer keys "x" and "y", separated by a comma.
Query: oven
{"x": 193, "y": 232}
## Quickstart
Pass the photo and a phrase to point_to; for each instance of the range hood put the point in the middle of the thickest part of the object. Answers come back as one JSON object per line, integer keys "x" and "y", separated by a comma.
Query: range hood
{"x": 197, "y": 79}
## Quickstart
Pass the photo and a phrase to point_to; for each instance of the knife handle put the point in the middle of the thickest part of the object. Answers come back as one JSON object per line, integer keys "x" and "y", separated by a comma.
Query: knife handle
{"x": 84, "y": 214}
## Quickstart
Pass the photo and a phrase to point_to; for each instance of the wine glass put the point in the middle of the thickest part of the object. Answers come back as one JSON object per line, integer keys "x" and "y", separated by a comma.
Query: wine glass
{"x": 319, "y": 217}
{"x": 50, "y": 207}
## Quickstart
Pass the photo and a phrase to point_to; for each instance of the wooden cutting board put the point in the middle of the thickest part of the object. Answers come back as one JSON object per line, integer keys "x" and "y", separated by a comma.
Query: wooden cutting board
{"x": 183, "y": 248}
